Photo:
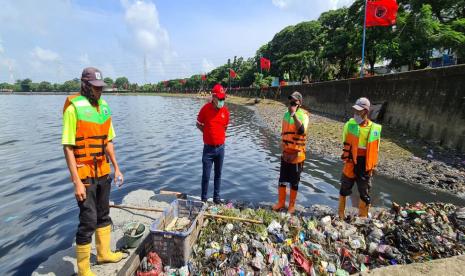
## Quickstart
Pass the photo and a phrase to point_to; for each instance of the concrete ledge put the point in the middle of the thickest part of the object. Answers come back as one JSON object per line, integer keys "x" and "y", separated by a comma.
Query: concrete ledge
{"x": 64, "y": 262}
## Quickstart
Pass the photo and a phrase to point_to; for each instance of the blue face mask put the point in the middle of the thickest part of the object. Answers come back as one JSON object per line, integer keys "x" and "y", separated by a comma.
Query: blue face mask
{"x": 220, "y": 104}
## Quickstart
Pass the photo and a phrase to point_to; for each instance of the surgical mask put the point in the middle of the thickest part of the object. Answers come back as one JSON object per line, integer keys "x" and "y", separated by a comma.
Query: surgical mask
{"x": 358, "y": 118}
{"x": 220, "y": 104}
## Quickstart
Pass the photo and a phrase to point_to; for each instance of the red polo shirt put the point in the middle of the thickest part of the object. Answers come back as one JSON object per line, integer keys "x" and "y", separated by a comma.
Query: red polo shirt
{"x": 215, "y": 122}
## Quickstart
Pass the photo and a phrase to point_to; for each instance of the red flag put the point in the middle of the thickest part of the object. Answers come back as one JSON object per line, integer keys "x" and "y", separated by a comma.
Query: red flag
{"x": 265, "y": 63}
{"x": 232, "y": 73}
{"x": 182, "y": 81}
{"x": 204, "y": 77}
{"x": 381, "y": 13}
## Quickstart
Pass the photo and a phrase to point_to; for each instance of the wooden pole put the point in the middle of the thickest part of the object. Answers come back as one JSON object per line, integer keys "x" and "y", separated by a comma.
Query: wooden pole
{"x": 233, "y": 218}
{"x": 136, "y": 208}
{"x": 206, "y": 214}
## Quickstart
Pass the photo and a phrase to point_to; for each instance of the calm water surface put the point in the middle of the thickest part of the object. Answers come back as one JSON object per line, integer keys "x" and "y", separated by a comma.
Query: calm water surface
{"x": 158, "y": 147}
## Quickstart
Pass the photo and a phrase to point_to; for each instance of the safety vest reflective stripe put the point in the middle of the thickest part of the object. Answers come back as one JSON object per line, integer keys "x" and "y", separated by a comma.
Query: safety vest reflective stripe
{"x": 351, "y": 144}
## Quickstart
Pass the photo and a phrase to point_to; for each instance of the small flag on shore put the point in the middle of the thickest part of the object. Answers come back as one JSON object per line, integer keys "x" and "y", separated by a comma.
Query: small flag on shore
{"x": 381, "y": 13}
{"x": 232, "y": 73}
{"x": 204, "y": 77}
{"x": 265, "y": 64}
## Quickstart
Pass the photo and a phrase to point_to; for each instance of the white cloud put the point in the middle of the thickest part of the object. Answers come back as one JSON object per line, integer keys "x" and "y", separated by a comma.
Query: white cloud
{"x": 207, "y": 65}
{"x": 144, "y": 25}
{"x": 44, "y": 55}
{"x": 51, "y": 25}
{"x": 282, "y": 4}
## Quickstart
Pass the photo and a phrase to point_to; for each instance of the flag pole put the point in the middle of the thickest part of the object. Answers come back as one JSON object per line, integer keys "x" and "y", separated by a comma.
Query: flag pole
{"x": 363, "y": 43}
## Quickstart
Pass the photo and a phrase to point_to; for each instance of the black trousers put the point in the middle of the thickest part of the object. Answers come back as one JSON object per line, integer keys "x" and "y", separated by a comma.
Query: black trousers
{"x": 94, "y": 211}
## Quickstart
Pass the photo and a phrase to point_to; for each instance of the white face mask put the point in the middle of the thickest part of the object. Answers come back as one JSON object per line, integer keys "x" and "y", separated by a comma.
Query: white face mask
{"x": 358, "y": 118}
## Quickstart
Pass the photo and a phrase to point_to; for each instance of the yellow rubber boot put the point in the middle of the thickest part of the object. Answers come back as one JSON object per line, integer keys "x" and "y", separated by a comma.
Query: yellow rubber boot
{"x": 281, "y": 198}
{"x": 83, "y": 260}
{"x": 363, "y": 209}
{"x": 292, "y": 199}
{"x": 342, "y": 207}
{"x": 102, "y": 242}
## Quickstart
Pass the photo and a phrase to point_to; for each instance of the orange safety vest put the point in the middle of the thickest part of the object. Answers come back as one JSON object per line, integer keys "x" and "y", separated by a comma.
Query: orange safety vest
{"x": 91, "y": 137}
{"x": 292, "y": 143}
{"x": 351, "y": 148}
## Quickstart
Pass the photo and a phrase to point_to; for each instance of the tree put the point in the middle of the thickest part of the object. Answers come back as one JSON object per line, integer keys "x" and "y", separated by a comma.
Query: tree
{"x": 5, "y": 85}
{"x": 416, "y": 36}
{"x": 261, "y": 81}
{"x": 108, "y": 81}
{"x": 45, "y": 86}
{"x": 331, "y": 46}
{"x": 25, "y": 85}
{"x": 71, "y": 86}
{"x": 122, "y": 83}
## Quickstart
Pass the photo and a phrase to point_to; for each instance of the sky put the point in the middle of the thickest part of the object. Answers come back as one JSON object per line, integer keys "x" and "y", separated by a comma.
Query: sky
{"x": 146, "y": 41}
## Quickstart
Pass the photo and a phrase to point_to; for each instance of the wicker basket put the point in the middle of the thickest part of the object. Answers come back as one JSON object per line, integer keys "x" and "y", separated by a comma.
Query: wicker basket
{"x": 175, "y": 248}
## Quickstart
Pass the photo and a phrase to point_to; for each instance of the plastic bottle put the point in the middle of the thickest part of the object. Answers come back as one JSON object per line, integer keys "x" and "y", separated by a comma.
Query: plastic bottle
{"x": 119, "y": 181}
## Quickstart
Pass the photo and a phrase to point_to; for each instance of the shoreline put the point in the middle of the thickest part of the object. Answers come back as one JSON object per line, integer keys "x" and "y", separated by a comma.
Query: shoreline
{"x": 400, "y": 157}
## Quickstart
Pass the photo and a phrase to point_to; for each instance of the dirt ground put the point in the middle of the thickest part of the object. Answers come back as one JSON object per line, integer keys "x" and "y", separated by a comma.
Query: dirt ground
{"x": 402, "y": 156}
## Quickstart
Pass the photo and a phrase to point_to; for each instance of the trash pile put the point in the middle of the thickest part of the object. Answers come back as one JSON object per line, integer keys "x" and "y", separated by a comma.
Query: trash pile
{"x": 317, "y": 242}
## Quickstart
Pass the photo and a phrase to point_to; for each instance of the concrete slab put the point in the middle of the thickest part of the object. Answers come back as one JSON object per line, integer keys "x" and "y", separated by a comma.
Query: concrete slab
{"x": 64, "y": 262}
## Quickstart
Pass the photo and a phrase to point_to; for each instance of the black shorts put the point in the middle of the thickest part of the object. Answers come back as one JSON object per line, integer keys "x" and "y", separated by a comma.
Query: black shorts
{"x": 363, "y": 180}
{"x": 290, "y": 173}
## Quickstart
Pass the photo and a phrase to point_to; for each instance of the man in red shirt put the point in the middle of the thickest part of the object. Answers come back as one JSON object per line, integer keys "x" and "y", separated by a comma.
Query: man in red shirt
{"x": 213, "y": 121}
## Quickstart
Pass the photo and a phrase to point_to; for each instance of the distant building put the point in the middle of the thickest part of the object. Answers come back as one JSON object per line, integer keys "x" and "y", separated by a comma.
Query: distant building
{"x": 441, "y": 58}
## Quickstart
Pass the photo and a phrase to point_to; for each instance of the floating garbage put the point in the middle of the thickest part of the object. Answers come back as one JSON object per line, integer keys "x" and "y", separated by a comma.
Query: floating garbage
{"x": 319, "y": 243}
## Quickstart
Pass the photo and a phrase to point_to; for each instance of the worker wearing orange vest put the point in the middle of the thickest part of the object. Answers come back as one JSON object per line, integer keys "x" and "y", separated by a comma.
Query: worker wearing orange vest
{"x": 293, "y": 143}
{"x": 361, "y": 138}
{"x": 87, "y": 142}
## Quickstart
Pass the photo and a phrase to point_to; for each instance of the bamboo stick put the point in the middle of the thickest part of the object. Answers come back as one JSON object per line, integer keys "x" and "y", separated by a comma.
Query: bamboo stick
{"x": 136, "y": 208}
{"x": 206, "y": 214}
{"x": 233, "y": 218}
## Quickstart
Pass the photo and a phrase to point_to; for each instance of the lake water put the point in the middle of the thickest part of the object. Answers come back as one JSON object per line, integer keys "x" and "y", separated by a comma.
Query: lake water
{"x": 158, "y": 147}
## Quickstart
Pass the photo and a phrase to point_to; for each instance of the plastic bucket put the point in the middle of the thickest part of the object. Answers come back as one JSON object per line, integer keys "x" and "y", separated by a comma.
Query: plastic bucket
{"x": 132, "y": 240}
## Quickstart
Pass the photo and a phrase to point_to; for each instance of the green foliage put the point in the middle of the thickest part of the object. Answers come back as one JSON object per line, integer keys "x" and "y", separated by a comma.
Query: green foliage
{"x": 325, "y": 49}
{"x": 45, "y": 86}
{"x": 122, "y": 83}
{"x": 108, "y": 81}
{"x": 26, "y": 85}
{"x": 71, "y": 86}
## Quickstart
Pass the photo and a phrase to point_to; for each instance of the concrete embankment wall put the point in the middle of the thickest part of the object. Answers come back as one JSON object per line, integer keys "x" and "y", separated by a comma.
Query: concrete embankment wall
{"x": 427, "y": 103}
